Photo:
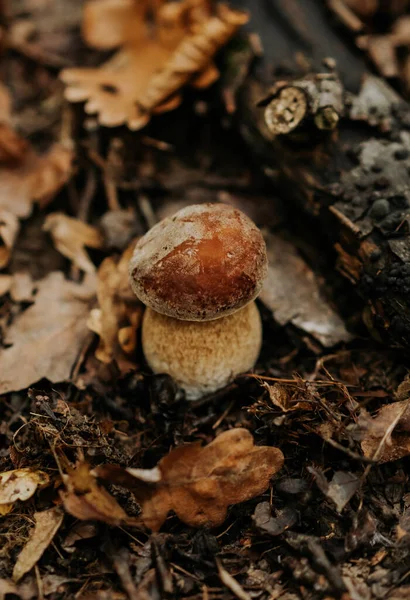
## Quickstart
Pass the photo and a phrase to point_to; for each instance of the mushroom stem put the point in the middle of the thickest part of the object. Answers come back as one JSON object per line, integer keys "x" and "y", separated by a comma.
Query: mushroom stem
{"x": 204, "y": 356}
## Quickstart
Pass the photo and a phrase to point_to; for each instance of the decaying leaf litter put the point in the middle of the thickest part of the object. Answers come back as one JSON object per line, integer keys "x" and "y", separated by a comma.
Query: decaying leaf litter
{"x": 96, "y": 452}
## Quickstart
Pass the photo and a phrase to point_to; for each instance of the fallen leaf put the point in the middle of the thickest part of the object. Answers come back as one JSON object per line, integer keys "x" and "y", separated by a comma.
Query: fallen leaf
{"x": 119, "y": 315}
{"x": 46, "y": 526}
{"x": 264, "y": 520}
{"x": 340, "y": 490}
{"x": 22, "y": 287}
{"x": 37, "y": 178}
{"x": 47, "y": 337}
{"x": 20, "y": 484}
{"x": 80, "y": 531}
{"x": 9, "y": 228}
{"x": 386, "y": 437}
{"x": 158, "y": 56}
{"x": 71, "y": 236}
{"x": 6, "y": 282}
{"x": 24, "y": 591}
{"x": 12, "y": 146}
{"x": 292, "y": 293}
{"x": 285, "y": 398}
{"x": 199, "y": 483}
{"x": 86, "y": 500}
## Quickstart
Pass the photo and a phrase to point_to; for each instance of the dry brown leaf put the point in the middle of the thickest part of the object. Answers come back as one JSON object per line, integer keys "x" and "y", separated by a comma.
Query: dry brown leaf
{"x": 307, "y": 309}
{"x": 47, "y": 525}
{"x": 199, "y": 483}
{"x": 71, "y": 236}
{"x": 86, "y": 500}
{"x": 386, "y": 437}
{"x": 119, "y": 315}
{"x": 47, "y": 337}
{"x": 282, "y": 397}
{"x": 27, "y": 590}
{"x": 22, "y": 287}
{"x": 12, "y": 146}
{"x": 20, "y": 484}
{"x": 146, "y": 75}
{"x": 9, "y": 228}
{"x": 37, "y": 178}
{"x": 6, "y": 282}
{"x": 340, "y": 490}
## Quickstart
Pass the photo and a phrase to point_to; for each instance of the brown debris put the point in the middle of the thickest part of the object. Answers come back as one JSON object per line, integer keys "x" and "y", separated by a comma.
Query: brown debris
{"x": 86, "y": 500}
{"x": 20, "y": 484}
{"x": 36, "y": 178}
{"x": 71, "y": 236}
{"x": 283, "y": 398}
{"x": 199, "y": 483}
{"x": 47, "y": 524}
{"x": 386, "y": 437}
{"x": 9, "y": 228}
{"x": 126, "y": 89}
{"x": 307, "y": 309}
{"x": 118, "y": 317}
{"x": 47, "y": 337}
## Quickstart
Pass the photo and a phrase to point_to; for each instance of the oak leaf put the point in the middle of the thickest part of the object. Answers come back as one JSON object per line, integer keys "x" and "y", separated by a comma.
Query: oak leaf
{"x": 48, "y": 336}
{"x": 119, "y": 314}
{"x": 156, "y": 58}
{"x": 71, "y": 236}
{"x": 199, "y": 483}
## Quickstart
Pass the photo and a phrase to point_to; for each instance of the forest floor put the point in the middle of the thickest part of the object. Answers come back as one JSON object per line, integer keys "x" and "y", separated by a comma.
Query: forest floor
{"x": 77, "y": 395}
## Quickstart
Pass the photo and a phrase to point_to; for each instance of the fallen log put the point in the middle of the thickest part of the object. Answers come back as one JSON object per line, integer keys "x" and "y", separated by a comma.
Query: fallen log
{"x": 336, "y": 139}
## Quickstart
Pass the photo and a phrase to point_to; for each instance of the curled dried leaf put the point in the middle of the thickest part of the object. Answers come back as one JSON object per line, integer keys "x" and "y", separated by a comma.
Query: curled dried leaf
{"x": 71, "y": 236}
{"x": 177, "y": 48}
{"x": 86, "y": 500}
{"x": 285, "y": 398}
{"x": 199, "y": 483}
{"x": 37, "y": 178}
{"x": 21, "y": 484}
{"x": 119, "y": 315}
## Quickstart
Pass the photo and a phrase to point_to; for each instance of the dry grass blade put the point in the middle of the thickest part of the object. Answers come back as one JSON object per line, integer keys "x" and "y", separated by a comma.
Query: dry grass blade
{"x": 231, "y": 583}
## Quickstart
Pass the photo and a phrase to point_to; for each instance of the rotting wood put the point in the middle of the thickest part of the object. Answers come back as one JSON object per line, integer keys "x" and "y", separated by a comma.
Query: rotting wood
{"x": 340, "y": 153}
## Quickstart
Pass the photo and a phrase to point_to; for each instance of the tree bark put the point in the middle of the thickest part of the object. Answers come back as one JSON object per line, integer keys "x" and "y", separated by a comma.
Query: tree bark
{"x": 336, "y": 139}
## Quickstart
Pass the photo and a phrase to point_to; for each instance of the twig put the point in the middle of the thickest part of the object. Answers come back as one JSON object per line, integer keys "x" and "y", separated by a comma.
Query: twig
{"x": 230, "y": 582}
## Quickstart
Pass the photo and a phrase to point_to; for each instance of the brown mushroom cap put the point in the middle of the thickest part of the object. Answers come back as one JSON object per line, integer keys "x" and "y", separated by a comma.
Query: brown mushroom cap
{"x": 205, "y": 262}
{"x": 202, "y": 357}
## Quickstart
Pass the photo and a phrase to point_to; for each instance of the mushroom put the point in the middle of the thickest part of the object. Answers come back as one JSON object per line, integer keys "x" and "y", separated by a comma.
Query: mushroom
{"x": 198, "y": 272}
